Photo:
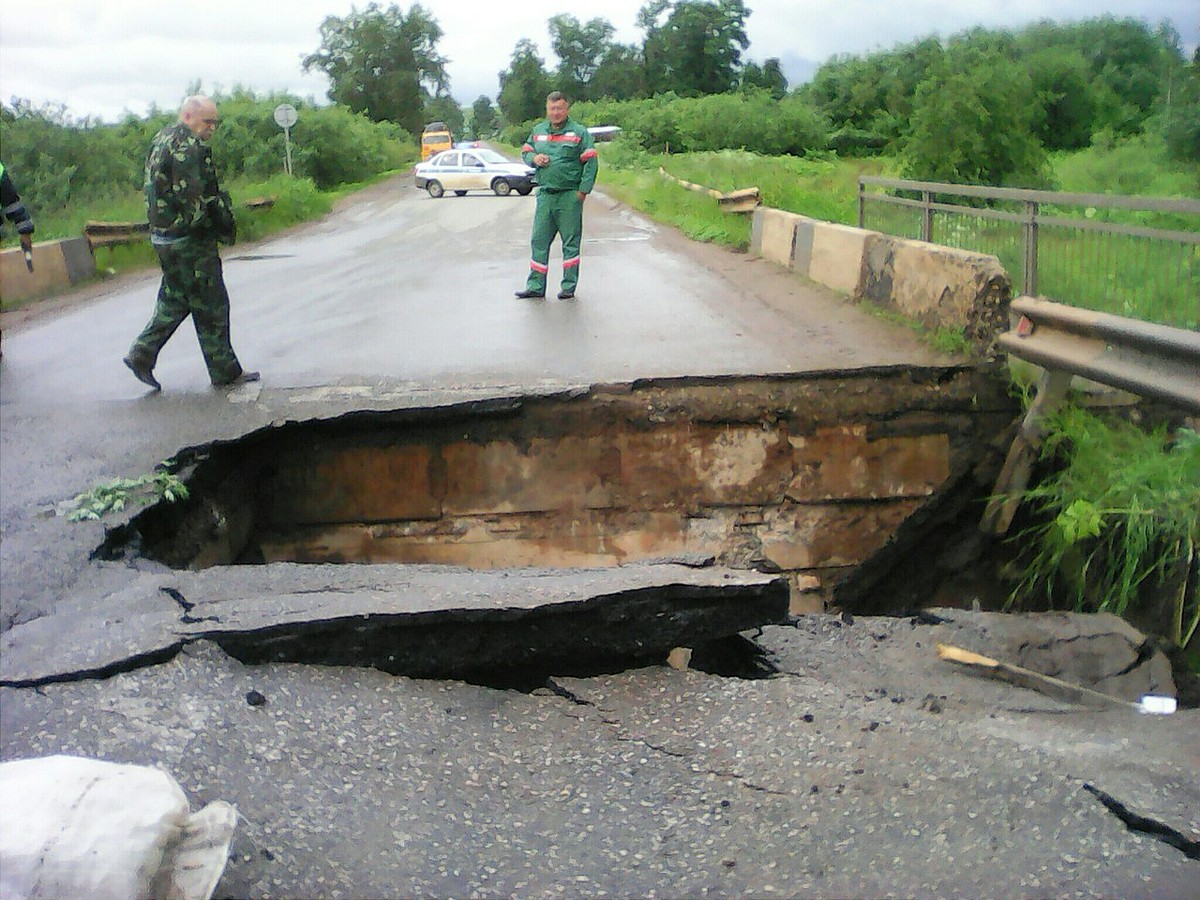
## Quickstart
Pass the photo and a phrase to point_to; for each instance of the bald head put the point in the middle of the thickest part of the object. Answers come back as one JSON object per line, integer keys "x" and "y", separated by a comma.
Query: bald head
{"x": 199, "y": 113}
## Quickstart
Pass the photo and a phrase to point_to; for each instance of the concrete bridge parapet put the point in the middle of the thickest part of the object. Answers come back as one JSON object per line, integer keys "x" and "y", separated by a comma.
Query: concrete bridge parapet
{"x": 942, "y": 287}
{"x": 56, "y": 265}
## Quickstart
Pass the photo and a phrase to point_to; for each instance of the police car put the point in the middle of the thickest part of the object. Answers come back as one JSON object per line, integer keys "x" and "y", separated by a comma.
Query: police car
{"x": 477, "y": 169}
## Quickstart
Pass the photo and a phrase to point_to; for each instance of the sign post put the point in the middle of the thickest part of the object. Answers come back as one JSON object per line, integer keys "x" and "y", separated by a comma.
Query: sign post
{"x": 285, "y": 118}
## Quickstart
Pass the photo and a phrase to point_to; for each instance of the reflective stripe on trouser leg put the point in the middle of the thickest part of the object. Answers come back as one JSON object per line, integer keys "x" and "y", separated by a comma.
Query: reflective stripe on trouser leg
{"x": 570, "y": 226}
{"x": 544, "y": 230}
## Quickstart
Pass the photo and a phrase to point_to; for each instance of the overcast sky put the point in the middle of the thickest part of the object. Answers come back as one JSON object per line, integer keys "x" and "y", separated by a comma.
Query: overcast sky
{"x": 102, "y": 58}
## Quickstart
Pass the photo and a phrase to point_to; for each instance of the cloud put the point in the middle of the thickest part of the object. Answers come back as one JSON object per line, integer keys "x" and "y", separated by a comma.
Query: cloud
{"x": 105, "y": 58}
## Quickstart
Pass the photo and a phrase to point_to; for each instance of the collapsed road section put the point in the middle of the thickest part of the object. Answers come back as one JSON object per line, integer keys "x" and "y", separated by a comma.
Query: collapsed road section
{"x": 808, "y": 476}
{"x": 616, "y": 522}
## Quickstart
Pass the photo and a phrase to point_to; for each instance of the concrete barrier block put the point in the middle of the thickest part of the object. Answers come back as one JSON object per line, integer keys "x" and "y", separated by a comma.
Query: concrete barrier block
{"x": 777, "y": 235}
{"x": 56, "y": 266}
{"x": 802, "y": 245}
{"x": 78, "y": 258}
{"x": 940, "y": 286}
{"x": 838, "y": 253}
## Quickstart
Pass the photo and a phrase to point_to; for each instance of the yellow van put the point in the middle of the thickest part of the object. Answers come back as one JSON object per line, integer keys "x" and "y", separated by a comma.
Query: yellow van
{"x": 434, "y": 139}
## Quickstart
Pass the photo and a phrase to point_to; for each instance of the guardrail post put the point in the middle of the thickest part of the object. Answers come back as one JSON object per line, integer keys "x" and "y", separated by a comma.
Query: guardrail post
{"x": 1030, "y": 279}
{"x": 862, "y": 212}
{"x": 1018, "y": 465}
{"x": 927, "y": 217}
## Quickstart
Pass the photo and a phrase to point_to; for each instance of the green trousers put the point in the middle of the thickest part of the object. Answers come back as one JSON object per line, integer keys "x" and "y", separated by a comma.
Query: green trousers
{"x": 193, "y": 284}
{"x": 557, "y": 213}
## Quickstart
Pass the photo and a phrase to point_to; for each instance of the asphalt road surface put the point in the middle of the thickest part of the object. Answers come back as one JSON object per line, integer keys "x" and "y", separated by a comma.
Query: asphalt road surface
{"x": 864, "y": 768}
{"x": 402, "y": 287}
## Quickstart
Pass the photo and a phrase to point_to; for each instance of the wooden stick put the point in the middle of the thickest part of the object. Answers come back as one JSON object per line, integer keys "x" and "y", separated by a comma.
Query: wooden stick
{"x": 1027, "y": 678}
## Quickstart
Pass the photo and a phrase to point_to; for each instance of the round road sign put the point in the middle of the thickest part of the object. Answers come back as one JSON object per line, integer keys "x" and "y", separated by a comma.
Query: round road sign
{"x": 285, "y": 115}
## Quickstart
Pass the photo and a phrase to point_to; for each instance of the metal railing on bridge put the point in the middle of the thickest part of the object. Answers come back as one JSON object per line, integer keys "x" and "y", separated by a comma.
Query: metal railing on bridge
{"x": 1147, "y": 359}
{"x": 1142, "y": 270}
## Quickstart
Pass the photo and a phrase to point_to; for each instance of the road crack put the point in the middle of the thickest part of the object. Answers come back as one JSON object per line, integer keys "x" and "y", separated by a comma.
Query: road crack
{"x": 568, "y": 694}
{"x": 1145, "y": 825}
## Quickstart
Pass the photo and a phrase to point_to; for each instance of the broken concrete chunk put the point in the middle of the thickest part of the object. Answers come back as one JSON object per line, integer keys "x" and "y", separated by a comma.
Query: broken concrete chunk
{"x": 422, "y": 621}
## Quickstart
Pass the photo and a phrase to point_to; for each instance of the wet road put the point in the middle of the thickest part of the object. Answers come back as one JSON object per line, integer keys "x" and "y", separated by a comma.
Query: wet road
{"x": 401, "y": 287}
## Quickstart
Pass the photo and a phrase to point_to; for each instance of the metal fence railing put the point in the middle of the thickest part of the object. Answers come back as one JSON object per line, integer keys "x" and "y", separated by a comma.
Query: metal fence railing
{"x": 1129, "y": 256}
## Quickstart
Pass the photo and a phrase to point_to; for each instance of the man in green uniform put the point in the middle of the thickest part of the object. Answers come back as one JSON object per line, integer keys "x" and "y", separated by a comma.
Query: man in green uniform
{"x": 564, "y": 154}
{"x": 189, "y": 215}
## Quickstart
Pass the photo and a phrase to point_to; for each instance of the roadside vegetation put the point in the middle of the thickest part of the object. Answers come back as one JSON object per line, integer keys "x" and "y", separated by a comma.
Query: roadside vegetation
{"x": 71, "y": 172}
{"x": 1117, "y": 524}
{"x": 1104, "y": 105}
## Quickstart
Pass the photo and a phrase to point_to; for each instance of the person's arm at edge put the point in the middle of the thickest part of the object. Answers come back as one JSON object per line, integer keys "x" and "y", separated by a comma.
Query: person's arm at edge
{"x": 591, "y": 164}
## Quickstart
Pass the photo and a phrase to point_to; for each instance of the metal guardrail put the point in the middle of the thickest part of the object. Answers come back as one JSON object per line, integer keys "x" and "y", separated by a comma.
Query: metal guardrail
{"x": 739, "y": 201}
{"x": 108, "y": 234}
{"x": 1140, "y": 357}
{"x": 1080, "y": 259}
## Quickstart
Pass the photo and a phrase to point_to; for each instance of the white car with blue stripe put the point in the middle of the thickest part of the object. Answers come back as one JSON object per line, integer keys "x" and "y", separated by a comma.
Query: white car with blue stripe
{"x": 479, "y": 169}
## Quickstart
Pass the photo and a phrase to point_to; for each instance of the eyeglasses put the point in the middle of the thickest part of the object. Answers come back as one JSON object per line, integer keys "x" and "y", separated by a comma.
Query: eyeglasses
{"x": 213, "y": 122}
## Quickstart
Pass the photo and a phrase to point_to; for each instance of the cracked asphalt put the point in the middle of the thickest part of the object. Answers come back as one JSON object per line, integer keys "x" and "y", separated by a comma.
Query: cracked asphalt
{"x": 835, "y": 777}
{"x": 864, "y": 767}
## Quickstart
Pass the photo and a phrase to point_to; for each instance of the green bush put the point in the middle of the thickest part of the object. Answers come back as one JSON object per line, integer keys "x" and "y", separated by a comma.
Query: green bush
{"x": 68, "y": 170}
{"x": 973, "y": 122}
{"x": 56, "y": 161}
{"x": 1118, "y": 515}
{"x": 752, "y": 121}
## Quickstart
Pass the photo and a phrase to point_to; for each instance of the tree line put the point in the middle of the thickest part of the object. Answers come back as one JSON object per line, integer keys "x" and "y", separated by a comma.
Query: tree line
{"x": 60, "y": 162}
{"x": 385, "y": 63}
{"x": 985, "y": 106}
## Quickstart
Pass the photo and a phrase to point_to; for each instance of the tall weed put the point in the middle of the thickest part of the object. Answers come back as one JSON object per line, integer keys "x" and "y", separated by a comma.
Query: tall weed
{"x": 1119, "y": 514}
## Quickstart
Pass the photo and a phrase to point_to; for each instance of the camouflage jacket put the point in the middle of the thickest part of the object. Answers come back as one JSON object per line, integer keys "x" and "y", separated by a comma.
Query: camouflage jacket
{"x": 13, "y": 209}
{"x": 183, "y": 198}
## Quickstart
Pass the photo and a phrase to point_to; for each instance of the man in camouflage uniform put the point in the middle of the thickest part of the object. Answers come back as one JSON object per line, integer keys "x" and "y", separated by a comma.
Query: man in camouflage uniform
{"x": 189, "y": 215}
{"x": 14, "y": 210}
{"x": 564, "y": 154}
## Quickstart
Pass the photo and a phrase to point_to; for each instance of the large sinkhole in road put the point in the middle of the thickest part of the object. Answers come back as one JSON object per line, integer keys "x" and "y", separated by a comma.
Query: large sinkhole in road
{"x": 811, "y": 476}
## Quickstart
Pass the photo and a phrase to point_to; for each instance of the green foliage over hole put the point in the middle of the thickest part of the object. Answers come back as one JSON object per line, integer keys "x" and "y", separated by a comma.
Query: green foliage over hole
{"x": 1118, "y": 520}
{"x": 115, "y": 495}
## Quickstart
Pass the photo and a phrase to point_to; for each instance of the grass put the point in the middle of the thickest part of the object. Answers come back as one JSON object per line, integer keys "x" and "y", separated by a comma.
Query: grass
{"x": 1119, "y": 518}
{"x": 820, "y": 188}
{"x": 945, "y": 340}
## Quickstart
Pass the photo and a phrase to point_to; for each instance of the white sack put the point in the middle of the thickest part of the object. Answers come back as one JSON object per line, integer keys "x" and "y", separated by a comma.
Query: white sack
{"x": 75, "y": 827}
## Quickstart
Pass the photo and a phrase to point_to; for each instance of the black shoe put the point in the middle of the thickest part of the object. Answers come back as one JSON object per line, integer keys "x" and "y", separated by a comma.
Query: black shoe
{"x": 142, "y": 374}
{"x": 566, "y": 295}
{"x": 242, "y": 377}
{"x": 530, "y": 295}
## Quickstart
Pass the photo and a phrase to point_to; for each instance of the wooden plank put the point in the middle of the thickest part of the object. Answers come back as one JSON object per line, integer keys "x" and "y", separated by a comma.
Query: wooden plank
{"x": 1027, "y": 678}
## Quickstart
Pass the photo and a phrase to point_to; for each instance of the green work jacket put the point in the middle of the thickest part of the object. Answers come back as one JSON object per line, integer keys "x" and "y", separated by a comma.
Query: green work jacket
{"x": 572, "y": 153}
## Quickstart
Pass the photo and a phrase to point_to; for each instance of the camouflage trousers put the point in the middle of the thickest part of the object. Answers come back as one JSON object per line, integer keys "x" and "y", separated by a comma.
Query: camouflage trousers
{"x": 192, "y": 284}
